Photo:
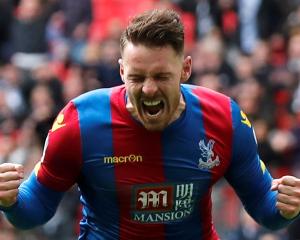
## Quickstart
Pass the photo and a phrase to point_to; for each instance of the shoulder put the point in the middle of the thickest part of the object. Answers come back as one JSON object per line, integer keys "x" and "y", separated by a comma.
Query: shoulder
{"x": 205, "y": 93}
{"x": 96, "y": 98}
{"x": 94, "y": 95}
{"x": 209, "y": 100}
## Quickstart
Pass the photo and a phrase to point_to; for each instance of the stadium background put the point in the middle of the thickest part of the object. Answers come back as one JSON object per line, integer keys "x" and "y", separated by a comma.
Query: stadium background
{"x": 54, "y": 50}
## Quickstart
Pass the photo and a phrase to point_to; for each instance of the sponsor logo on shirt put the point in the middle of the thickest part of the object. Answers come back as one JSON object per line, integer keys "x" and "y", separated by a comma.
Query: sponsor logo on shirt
{"x": 208, "y": 160}
{"x": 58, "y": 122}
{"x": 132, "y": 158}
{"x": 163, "y": 203}
{"x": 262, "y": 166}
{"x": 245, "y": 120}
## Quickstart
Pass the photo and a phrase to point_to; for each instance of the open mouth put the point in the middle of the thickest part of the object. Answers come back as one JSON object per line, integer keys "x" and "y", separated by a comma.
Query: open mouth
{"x": 153, "y": 108}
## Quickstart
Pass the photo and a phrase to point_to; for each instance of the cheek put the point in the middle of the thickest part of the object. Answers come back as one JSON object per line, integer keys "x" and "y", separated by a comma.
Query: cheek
{"x": 173, "y": 96}
{"x": 132, "y": 91}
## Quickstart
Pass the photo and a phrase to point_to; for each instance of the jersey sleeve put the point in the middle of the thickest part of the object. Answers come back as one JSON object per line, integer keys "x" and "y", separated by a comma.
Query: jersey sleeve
{"x": 61, "y": 162}
{"x": 57, "y": 171}
{"x": 249, "y": 176}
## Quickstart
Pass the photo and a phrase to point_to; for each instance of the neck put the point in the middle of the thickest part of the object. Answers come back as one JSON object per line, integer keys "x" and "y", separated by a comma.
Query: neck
{"x": 179, "y": 110}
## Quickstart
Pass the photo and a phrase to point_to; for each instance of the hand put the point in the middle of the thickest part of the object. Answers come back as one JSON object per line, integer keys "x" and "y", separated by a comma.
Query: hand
{"x": 288, "y": 199}
{"x": 11, "y": 176}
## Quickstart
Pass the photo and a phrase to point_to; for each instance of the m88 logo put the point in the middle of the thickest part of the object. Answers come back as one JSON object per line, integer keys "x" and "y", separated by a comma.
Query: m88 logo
{"x": 162, "y": 203}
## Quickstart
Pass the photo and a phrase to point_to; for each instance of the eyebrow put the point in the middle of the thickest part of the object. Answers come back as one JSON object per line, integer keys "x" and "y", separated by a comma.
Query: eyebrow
{"x": 163, "y": 73}
{"x": 156, "y": 74}
{"x": 135, "y": 75}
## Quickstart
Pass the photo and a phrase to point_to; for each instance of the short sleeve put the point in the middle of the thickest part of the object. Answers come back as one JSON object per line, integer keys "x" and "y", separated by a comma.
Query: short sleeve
{"x": 61, "y": 162}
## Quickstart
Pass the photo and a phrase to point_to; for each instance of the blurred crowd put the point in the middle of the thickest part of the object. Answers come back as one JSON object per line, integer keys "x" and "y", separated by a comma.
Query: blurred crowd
{"x": 53, "y": 50}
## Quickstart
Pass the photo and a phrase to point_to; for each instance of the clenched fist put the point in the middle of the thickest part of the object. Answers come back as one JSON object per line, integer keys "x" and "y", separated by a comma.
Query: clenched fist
{"x": 288, "y": 199}
{"x": 11, "y": 176}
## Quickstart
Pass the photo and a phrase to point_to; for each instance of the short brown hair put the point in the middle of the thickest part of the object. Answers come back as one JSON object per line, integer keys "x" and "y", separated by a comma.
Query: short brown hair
{"x": 155, "y": 28}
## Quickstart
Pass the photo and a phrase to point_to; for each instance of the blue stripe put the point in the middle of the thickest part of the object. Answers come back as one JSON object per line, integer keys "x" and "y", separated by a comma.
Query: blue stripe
{"x": 181, "y": 155}
{"x": 97, "y": 185}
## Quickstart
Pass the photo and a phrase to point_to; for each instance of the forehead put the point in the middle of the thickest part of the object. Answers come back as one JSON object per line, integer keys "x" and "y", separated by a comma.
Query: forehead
{"x": 144, "y": 56}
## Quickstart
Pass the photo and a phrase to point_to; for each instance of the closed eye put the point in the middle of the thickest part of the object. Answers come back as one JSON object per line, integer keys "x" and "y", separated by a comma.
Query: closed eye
{"x": 162, "y": 77}
{"x": 136, "y": 78}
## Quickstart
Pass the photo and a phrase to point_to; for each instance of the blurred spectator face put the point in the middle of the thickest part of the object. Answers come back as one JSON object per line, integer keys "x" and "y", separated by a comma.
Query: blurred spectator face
{"x": 110, "y": 52}
{"x": 226, "y": 4}
{"x": 8, "y": 126}
{"x": 81, "y": 31}
{"x": 281, "y": 140}
{"x": 260, "y": 55}
{"x": 248, "y": 104}
{"x": 282, "y": 78}
{"x": 294, "y": 53}
{"x": 115, "y": 29}
{"x": 7, "y": 145}
{"x": 11, "y": 75}
{"x": 212, "y": 50}
{"x": 244, "y": 68}
{"x": 29, "y": 9}
{"x": 27, "y": 133}
{"x": 198, "y": 58}
{"x": 42, "y": 104}
{"x": 294, "y": 46}
{"x": 43, "y": 73}
{"x": 92, "y": 53}
{"x": 211, "y": 81}
{"x": 4, "y": 108}
{"x": 73, "y": 86}
{"x": 261, "y": 130}
{"x": 248, "y": 96}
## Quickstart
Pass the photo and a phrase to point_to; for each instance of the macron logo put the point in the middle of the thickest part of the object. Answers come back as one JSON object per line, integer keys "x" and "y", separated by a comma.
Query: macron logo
{"x": 132, "y": 158}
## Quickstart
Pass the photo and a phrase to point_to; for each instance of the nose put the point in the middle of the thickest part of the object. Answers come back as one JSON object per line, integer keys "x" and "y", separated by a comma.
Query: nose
{"x": 149, "y": 87}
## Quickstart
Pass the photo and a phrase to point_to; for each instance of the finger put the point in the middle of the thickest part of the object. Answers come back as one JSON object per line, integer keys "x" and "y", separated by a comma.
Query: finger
{"x": 287, "y": 190}
{"x": 8, "y": 198}
{"x": 8, "y": 194}
{"x": 275, "y": 184}
{"x": 10, "y": 185}
{"x": 11, "y": 167}
{"x": 286, "y": 199}
{"x": 8, "y": 176}
{"x": 289, "y": 181}
{"x": 5, "y": 167}
{"x": 286, "y": 210}
{"x": 20, "y": 169}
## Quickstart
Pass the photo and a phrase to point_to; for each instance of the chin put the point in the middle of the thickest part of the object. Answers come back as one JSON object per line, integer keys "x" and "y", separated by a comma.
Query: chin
{"x": 154, "y": 127}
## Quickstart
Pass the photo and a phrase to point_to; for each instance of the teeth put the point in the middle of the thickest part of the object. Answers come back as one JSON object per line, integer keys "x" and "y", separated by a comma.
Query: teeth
{"x": 152, "y": 103}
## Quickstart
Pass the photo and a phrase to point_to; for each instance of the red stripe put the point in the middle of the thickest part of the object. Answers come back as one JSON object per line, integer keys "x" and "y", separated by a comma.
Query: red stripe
{"x": 217, "y": 122}
{"x": 129, "y": 138}
{"x": 209, "y": 232}
{"x": 62, "y": 163}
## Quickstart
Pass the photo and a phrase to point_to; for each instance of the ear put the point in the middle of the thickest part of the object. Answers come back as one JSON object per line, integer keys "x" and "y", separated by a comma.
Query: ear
{"x": 120, "y": 61}
{"x": 187, "y": 69}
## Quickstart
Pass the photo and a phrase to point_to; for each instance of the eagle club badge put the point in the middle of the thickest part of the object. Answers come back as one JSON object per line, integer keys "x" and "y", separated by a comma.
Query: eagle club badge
{"x": 208, "y": 160}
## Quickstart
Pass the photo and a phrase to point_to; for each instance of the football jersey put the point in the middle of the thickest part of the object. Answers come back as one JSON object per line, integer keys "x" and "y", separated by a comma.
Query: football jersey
{"x": 140, "y": 184}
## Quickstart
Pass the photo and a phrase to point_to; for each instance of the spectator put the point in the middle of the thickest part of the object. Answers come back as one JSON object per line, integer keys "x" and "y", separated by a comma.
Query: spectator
{"x": 28, "y": 35}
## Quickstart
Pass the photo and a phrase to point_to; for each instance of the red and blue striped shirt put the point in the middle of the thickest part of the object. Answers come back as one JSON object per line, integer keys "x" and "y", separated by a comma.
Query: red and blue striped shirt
{"x": 137, "y": 184}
